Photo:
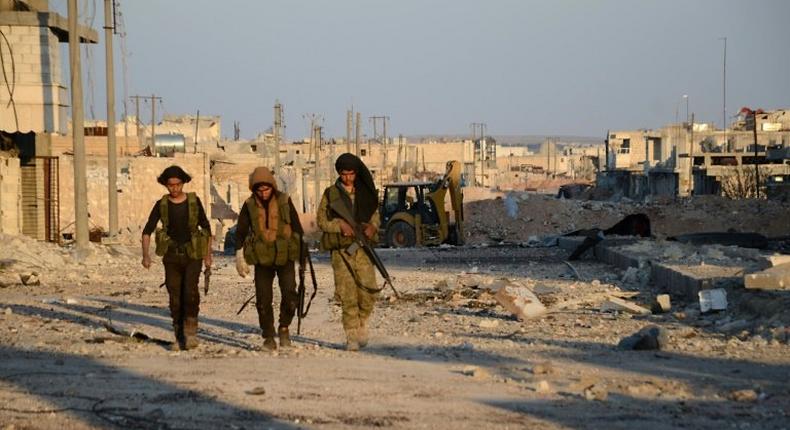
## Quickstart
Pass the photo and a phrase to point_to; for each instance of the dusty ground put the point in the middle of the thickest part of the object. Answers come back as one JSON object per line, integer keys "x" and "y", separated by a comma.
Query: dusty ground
{"x": 445, "y": 356}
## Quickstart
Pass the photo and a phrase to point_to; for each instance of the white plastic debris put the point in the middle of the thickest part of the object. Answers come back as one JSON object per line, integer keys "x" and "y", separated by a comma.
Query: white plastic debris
{"x": 712, "y": 300}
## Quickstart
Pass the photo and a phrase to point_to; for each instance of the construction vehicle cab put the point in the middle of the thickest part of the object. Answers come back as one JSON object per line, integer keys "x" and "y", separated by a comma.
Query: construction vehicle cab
{"x": 413, "y": 213}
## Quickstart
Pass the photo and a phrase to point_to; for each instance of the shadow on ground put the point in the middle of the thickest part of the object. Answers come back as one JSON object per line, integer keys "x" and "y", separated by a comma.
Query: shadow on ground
{"x": 103, "y": 396}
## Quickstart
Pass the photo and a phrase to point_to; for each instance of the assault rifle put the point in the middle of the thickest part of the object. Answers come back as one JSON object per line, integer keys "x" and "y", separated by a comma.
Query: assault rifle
{"x": 360, "y": 241}
{"x": 301, "y": 309}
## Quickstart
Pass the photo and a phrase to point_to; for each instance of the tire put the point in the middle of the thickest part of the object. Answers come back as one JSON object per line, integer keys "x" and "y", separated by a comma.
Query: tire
{"x": 401, "y": 235}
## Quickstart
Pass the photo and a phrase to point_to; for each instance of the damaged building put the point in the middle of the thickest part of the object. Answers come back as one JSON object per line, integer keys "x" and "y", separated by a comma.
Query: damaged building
{"x": 694, "y": 159}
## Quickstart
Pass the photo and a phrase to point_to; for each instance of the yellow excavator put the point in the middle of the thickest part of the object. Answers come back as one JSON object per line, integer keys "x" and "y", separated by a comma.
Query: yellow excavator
{"x": 413, "y": 213}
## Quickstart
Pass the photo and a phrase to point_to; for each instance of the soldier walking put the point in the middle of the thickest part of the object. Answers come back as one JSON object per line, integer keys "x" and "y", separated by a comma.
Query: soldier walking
{"x": 355, "y": 279}
{"x": 184, "y": 243}
{"x": 268, "y": 235}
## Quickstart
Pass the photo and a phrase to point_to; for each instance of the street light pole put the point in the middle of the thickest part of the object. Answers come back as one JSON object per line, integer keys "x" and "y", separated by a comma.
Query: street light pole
{"x": 686, "y": 96}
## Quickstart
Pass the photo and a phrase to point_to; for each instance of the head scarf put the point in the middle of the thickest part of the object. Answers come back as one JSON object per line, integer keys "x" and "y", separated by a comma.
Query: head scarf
{"x": 365, "y": 194}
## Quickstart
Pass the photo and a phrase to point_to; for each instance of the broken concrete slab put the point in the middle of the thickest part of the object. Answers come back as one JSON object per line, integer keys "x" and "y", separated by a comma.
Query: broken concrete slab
{"x": 520, "y": 301}
{"x": 775, "y": 278}
{"x": 714, "y": 299}
{"x": 620, "y": 305}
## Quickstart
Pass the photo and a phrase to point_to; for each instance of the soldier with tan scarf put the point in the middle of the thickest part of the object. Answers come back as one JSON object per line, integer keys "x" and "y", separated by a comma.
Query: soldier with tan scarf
{"x": 270, "y": 234}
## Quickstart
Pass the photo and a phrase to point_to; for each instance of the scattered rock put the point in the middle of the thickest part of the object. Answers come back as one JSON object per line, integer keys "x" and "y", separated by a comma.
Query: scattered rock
{"x": 662, "y": 304}
{"x": 542, "y": 369}
{"x": 8, "y": 311}
{"x": 543, "y": 387}
{"x": 475, "y": 372}
{"x": 257, "y": 391}
{"x": 9, "y": 279}
{"x": 30, "y": 279}
{"x": 746, "y": 396}
{"x": 488, "y": 323}
{"x": 596, "y": 393}
{"x": 648, "y": 338}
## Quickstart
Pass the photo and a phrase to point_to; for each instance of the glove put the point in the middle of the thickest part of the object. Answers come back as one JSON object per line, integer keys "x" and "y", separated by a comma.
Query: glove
{"x": 241, "y": 264}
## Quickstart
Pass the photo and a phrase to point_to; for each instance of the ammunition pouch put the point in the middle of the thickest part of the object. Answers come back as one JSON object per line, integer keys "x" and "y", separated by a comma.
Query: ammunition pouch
{"x": 276, "y": 253}
{"x": 197, "y": 248}
{"x": 162, "y": 241}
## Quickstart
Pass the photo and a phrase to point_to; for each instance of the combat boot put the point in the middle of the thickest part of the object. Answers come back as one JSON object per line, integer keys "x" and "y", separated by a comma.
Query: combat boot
{"x": 269, "y": 343}
{"x": 362, "y": 333}
{"x": 190, "y": 333}
{"x": 352, "y": 342}
{"x": 178, "y": 332}
{"x": 285, "y": 338}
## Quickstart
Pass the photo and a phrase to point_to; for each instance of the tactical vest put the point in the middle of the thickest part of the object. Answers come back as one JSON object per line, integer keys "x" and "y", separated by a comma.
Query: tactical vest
{"x": 285, "y": 247}
{"x": 197, "y": 246}
{"x": 332, "y": 241}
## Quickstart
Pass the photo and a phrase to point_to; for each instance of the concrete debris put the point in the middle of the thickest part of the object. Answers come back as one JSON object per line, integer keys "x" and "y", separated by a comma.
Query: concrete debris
{"x": 488, "y": 323}
{"x": 637, "y": 276}
{"x": 30, "y": 279}
{"x": 648, "y": 338}
{"x": 775, "y": 278}
{"x": 543, "y": 387}
{"x": 733, "y": 326}
{"x": 9, "y": 279}
{"x": 662, "y": 304}
{"x": 543, "y": 369}
{"x": 8, "y": 311}
{"x": 520, "y": 301}
{"x": 475, "y": 372}
{"x": 714, "y": 299}
{"x": 256, "y": 391}
{"x": 745, "y": 396}
{"x": 620, "y": 305}
{"x": 596, "y": 393}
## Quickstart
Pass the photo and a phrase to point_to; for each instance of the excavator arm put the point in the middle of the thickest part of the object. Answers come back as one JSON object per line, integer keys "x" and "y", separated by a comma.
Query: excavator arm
{"x": 450, "y": 182}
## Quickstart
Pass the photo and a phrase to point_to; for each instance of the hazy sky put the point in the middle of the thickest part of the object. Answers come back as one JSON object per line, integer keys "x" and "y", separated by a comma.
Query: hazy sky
{"x": 434, "y": 66}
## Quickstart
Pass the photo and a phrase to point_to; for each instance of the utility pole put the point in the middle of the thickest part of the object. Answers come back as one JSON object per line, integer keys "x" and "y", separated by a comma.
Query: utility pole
{"x": 756, "y": 163}
{"x": 197, "y": 129}
{"x": 349, "y": 120}
{"x": 357, "y": 134}
{"x": 278, "y": 125}
{"x": 137, "y": 120}
{"x": 317, "y": 140}
{"x": 154, "y": 98}
{"x": 481, "y": 143}
{"x": 112, "y": 154}
{"x": 691, "y": 158}
{"x": 724, "y": 94}
{"x": 78, "y": 132}
{"x": 398, "y": 163}
{"x": 382, "y": 139}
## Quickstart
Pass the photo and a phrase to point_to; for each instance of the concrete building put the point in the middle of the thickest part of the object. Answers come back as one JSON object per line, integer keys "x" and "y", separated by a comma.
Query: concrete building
{"x": 30, "y": 52}
{"x": 684, "y": 159}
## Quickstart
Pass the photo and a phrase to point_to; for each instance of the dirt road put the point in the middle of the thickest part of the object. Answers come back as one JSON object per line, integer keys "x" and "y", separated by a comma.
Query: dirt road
{"x": 445, "y": 356}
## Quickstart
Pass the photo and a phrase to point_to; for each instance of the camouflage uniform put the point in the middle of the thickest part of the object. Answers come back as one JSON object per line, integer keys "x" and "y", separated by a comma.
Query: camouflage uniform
{"x": 357, "y": 297}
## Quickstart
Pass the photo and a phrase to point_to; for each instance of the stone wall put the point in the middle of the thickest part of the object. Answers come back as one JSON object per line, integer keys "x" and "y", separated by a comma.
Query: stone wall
{"x": 137, "y": 188}
{"x": 10, "y": 191}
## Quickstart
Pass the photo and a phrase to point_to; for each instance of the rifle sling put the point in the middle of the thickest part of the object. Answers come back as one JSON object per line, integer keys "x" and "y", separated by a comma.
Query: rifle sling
{"x": 354, "y": 275}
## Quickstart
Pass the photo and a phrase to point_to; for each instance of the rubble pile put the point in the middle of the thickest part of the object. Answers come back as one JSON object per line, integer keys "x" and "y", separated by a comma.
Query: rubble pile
{"x": 26, "y": 261}
{"x": 488, "y": 220}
